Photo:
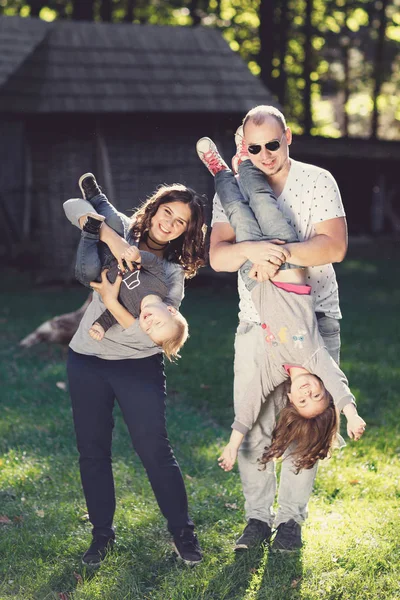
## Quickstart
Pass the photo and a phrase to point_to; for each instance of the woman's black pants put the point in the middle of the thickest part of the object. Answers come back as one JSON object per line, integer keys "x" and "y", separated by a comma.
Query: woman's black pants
{"x": 138, "y": 385}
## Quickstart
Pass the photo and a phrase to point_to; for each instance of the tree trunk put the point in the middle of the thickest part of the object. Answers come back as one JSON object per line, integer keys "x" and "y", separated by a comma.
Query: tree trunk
{"x": 378, "y": 67}
{"x": 106, "y": 10}
{"x": 283, "y": 27}
{"x": 60, "y": 7}
{"x": 346, "y": 89}
{"x": 83, "y": 10}
{"x": 307, "y": 69}
{"x": 130, "y": 11}
{"x": 194, "y": 12}
{"x": 266, "y": 34}
{"x": 346, "y": 68}
{"x": 36, "y": 6}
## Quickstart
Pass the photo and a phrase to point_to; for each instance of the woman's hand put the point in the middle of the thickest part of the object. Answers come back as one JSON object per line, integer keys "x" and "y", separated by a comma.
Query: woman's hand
{"x": 108, "y": 291}
{"x": 109, "y": 294}
{"x": 228, "y": 457}
{"x": 263, "y": 253}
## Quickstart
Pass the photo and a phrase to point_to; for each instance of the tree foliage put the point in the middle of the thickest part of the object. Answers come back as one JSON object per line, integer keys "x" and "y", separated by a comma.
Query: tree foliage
{"x": 333, "y": 65}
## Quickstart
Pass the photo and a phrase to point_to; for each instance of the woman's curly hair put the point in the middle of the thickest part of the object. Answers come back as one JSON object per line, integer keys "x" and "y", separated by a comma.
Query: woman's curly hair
{"x": 311, "y": 439}
{"x": 188, "y": 249}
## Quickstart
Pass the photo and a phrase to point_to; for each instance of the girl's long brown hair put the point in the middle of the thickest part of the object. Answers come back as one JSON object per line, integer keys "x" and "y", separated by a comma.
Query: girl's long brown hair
{"x": 311, "y": 439}
{"x": 188, "y": 249}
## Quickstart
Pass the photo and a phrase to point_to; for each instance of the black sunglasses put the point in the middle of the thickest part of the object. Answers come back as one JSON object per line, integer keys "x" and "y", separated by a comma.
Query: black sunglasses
{"x": 272, "y": 146}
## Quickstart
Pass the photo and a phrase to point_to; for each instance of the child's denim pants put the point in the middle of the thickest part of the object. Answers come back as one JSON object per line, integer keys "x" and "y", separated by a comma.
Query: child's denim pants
{"x": 253, "y": 214}
{"x": 92, "y": 254}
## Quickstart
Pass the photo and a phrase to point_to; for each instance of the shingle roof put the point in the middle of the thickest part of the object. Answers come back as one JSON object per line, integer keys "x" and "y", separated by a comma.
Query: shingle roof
{"x": 101, "y": 67}
{"x": 18, "y": 42}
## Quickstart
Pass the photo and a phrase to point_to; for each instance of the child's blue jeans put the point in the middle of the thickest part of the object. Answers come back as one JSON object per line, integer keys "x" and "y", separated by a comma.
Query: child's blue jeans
{"x": 92, "y": 254}
{"x": 254, "y": 216}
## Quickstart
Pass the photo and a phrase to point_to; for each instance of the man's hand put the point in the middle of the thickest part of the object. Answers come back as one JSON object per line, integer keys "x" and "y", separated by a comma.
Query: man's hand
{"x": 262, "y": 253}
{"x": 228, "y": 457}
{"x": 355, "y": 426}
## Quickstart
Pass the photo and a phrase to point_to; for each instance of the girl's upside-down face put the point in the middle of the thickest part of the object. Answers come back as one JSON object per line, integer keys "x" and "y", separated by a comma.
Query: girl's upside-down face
{"x": 308, "y": 395}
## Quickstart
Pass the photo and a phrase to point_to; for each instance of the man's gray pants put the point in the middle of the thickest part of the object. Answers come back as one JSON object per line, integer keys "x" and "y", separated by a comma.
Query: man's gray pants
{"x": 259, "y": 486}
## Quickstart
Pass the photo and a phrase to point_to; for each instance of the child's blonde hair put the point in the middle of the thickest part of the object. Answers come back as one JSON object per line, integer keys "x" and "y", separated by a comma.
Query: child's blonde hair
{"x": 172, "y": 346}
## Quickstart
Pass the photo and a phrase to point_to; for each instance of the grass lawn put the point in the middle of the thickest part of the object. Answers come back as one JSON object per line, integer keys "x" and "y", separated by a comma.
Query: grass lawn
{"x": 352, "y": 549}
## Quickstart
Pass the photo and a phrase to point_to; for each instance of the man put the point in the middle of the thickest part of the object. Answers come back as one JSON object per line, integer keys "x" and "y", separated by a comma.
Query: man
{"x": 309, "y": 197}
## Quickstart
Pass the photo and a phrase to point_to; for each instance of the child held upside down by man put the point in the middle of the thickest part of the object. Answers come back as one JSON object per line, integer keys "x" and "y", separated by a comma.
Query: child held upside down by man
{"x": 294, "y": 350}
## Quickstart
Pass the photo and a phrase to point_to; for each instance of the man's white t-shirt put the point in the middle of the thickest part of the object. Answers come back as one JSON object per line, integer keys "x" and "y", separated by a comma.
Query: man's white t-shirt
{"x": 310, "y": 195}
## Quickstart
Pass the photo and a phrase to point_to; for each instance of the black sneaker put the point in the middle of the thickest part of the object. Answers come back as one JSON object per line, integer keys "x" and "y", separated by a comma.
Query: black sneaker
{"x": 187, "y": 547}
{"x": 98, "y": 550}
{"x": 93, "y": 223}
{"x": 89, "y": 186}
{"x": 255, "y": 533}
{"x": 288, "y": 537}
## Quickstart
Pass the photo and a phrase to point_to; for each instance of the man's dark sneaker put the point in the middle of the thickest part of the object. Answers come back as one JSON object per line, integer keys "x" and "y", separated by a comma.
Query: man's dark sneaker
{"x": 187, "y": 547}
{"x": 98, "y": 550}
{"x": 89, "y": 186}
{"x": 255, "y": 533}
{"x": 93, "y": 223}
{"x": 288, "y": 537}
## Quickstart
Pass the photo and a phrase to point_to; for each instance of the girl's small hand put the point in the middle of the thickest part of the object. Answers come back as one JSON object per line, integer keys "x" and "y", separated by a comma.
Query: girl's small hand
{"x": 228, "y": 457}
{"x": 118, "y": 246}
{"x": 96, "y": 332}
{"x": 132, "y": 255}
{"x": 108, "y": 291}
{"x": 355, "y": 427}
{"x": 263, "y": 272}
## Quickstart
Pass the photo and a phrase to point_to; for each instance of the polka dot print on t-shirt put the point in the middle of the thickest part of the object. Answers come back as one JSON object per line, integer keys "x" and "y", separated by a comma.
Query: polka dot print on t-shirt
{"x": 310, "y": 197}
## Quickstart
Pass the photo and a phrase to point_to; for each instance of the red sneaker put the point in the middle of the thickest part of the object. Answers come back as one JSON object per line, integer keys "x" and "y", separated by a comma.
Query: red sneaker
{"x": 209, "y": 155}
{"x": 241, "y": 149}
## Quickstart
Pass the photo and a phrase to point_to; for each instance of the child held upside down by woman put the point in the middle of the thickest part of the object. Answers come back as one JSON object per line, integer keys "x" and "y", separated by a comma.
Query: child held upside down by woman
{"x": 143, "y": 291}
{"x": 294, "y": 349}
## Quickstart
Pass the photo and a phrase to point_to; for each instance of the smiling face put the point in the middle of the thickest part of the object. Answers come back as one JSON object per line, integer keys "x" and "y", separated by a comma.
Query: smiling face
{"x": 170, "y": 221}
{"x": 159, "y": 321}
{"x": 308, "y": 395}
{"x": 271, "y": 163}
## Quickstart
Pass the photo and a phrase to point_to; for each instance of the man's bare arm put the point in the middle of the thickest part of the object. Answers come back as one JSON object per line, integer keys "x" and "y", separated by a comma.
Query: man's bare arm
{"x": 227, "y": 255}
{"x": 329, "y": 245}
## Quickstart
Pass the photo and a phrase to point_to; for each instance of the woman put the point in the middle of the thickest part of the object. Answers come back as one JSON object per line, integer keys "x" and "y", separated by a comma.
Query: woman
{"x": 127, "y": 366}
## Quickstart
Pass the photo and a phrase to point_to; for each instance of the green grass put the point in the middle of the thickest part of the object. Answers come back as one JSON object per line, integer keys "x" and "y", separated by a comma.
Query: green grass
{"x": 351, "y": 537}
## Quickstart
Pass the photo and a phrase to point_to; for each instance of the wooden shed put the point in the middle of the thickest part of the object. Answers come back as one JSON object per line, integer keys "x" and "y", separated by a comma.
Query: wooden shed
{"x": 127, "y": 102}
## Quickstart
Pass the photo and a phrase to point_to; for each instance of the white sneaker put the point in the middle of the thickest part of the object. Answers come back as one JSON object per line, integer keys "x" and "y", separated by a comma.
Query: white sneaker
{"x": 241, "y": 149}
{"x": 208, "y": 153}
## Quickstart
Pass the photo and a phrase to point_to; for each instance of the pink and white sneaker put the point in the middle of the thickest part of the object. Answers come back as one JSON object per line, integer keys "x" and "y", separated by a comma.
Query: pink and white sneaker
{"x": 241, "y": 149}
{"x": 208, "y": 153}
